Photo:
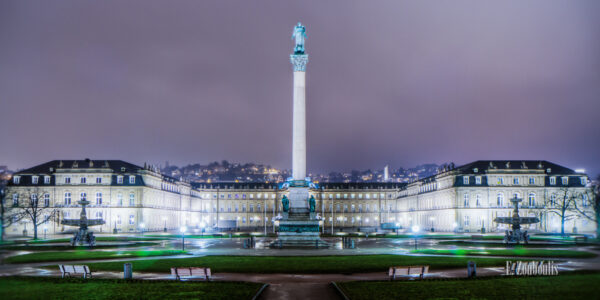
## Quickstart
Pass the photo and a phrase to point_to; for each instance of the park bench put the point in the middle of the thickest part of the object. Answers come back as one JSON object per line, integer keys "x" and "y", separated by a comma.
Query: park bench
{"x": 408, "y": 271}
{"x": 193, "y": 272}
{"x": 68, "y": 270}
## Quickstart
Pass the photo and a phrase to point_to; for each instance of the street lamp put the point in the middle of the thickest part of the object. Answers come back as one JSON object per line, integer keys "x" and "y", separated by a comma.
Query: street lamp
{"x": 142, "y": 225}
{"x": 183, "y": 230}
{"x": 415, "y": 230}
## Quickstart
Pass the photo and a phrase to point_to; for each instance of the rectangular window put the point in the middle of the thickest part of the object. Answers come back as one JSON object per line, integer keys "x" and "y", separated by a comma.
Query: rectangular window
{"x": 16, "y": 179}
{"x": 34, "y": 179}
{"x": 466, "y": 221}
{"x": 478, "y": 180}
{"x": 531, "y": 180}
{"x": 565, "y": 180}
{"x": 119, "y": 179}
{"x": 46, "y": 200}
{"x": 131, "y": 219}
{"x": 131, "y": 199}
{"x": 120, "y": 199}
{"x": 98, "y": 198}
{"x": 67, "y": 180}
{"x": 46, "y": 179}
{"x": 243, "y": 207}
{"x": 552, "y": 180}
{"x": 465, "y": 179}
{"x": 98, "y": 180}
{"x": 67, "y": 198}
{"x": 251, "y": 208}
{"x": 478, "y": 200}
{"x": 118, "y": 219}
{"x": 516, "y": 180}
{"x": 83, "y": 180}
{"x": 583, "y": 181}
{"x": 131, "y": 179}
{"x": 500, "y": 180}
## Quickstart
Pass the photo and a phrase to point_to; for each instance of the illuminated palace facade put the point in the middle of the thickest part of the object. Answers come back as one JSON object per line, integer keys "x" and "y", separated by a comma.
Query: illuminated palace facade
{"x": 131, "y": 198}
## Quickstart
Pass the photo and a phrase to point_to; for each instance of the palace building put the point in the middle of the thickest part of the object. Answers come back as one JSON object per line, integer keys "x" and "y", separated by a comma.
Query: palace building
{"x": 131, "y": 198}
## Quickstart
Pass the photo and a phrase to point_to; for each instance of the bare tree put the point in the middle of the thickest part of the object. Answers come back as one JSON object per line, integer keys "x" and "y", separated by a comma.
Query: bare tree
{"x": 590, "y": 205}
{"x": 563, "y": 205}
{"x": 35, "y": 208}
{"x": 8, "y": 213}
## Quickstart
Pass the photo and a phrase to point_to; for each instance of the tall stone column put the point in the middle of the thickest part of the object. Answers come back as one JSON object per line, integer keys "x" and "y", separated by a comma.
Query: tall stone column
{"x": 299, "y": 62}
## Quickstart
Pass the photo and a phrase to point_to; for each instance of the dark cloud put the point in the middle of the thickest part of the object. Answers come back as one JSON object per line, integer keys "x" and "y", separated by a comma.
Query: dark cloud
{"x": 388, "y": 82}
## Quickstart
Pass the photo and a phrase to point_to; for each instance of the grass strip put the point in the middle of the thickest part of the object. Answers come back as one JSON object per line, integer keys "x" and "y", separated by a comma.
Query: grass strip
{"x": 520, "y": 252}
{"x": 299, "y": 264}
{"x": 85, "y": 255}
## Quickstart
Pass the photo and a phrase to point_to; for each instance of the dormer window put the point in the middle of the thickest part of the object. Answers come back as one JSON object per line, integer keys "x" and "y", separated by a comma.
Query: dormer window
{"x": 583, "y": 181}
{"x": 478, "y": 180}
{"x": 46, "y": 179}
{"x": 119, "y": 179}
{"x": 565, "y": 180}
{"x": 552, "y": 180}
{"x": 16, "y": 179}
{"x": 131, "y": 179}
{"x": 34, "y": 179}
{"x": 465, "y": 180}
{"x": 83, "y": 180}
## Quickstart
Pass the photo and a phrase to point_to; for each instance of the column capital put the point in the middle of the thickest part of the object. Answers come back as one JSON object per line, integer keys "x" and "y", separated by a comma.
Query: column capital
{"x": 299, "y": 62}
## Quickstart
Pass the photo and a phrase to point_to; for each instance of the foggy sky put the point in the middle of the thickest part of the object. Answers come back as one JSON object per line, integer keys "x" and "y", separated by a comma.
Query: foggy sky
{"x": 388, "y": 82}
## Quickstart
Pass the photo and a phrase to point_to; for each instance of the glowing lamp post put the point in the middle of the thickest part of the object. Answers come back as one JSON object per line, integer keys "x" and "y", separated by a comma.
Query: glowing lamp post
{"x": 415, "y": 230}
{"x": 183, "y": 229}
{"x": 202, "y": 226}
{"x": 142, "y": 225}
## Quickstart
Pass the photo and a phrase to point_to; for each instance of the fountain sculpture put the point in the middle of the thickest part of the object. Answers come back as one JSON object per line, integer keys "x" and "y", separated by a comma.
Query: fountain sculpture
{"x": 83, "y": 236}
{"x": 516, "y": 235}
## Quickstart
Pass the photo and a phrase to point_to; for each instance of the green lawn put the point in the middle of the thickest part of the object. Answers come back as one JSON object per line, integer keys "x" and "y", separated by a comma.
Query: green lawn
{"x": 298, "y": 264}
{"x": 563, "y": 286}
{"x": 85, "y": 255}
{"x": 522, "y": 252}
{"x": 59, "y": 247}
{"x": 502, "y": 245}
{"x": 56, "y": 288}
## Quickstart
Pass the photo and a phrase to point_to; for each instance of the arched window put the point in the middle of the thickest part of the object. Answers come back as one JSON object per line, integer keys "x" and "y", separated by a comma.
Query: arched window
{"x": 500, "y": 200}
{"x": 531, "y": 199}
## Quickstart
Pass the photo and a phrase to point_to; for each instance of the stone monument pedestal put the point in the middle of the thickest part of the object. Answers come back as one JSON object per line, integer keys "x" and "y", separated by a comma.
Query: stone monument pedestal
{"x": 299, "y": 227}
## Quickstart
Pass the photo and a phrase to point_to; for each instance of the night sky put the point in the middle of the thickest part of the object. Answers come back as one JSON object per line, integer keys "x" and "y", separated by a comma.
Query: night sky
{"x": 388, "y": 82}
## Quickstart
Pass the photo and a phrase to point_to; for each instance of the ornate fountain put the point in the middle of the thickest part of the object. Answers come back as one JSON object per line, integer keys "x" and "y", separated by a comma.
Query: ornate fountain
{"x": 83, "y": 236}
{"x": 516, "y": 235}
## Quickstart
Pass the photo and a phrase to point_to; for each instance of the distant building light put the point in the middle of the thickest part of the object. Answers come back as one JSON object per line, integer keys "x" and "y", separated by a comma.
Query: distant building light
{"x": 580, "y": 171}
